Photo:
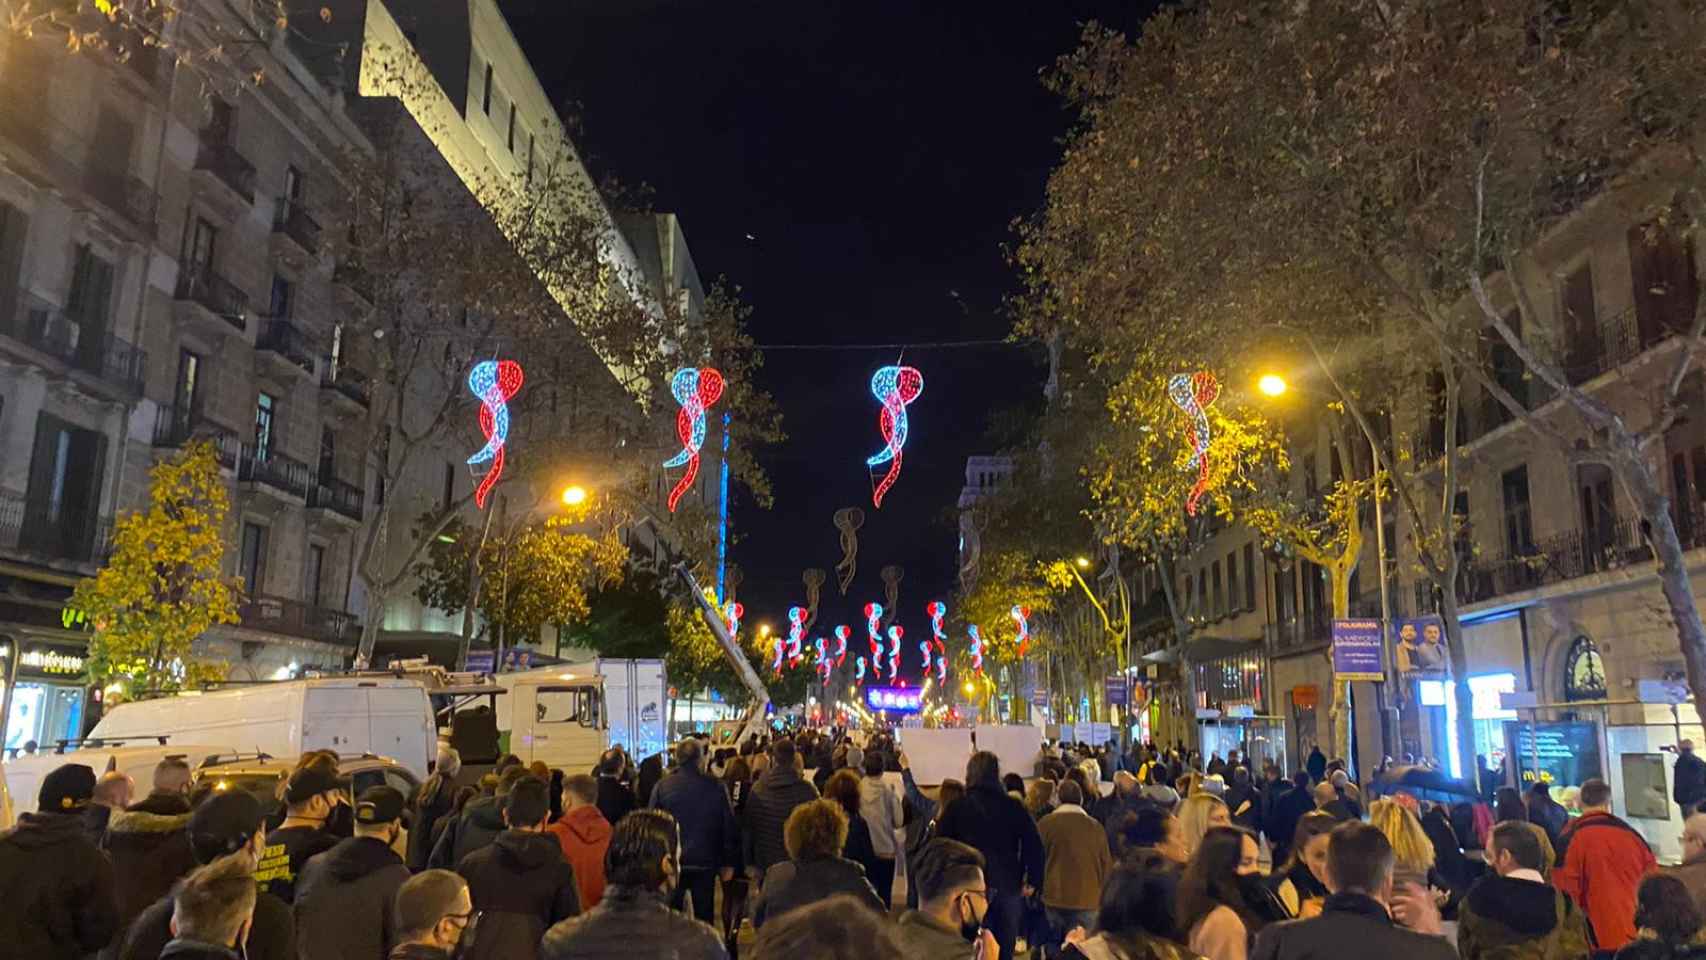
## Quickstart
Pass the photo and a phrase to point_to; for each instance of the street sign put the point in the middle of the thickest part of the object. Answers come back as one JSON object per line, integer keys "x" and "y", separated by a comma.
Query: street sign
{"x": 1356, "y": 650}
{"x": 1039, "y": 697}
{"x": 1114, "y": 691}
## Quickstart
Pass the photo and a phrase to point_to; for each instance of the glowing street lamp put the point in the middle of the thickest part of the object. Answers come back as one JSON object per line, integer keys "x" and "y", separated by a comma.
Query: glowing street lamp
{"x": 574, "y": 496}
{"x": 1083, "y": 563}
{"x": 1272, "y": 385}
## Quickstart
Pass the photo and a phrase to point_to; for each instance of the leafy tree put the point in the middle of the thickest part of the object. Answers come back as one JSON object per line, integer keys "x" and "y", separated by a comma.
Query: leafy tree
{"x": 163, "y": 587}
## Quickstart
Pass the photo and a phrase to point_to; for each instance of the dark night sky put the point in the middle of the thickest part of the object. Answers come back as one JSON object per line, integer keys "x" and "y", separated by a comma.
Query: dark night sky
{"x": 877, "y": 153}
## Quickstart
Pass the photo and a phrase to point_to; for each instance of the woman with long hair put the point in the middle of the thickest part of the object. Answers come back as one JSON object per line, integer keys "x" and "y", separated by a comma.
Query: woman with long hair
{"x": 1668, "y": 920}
{"x": 1508, "y": 805}
{"x": 1134, "y": 921}
{"x": 1301, "y": 882}
{"x": 1412, "y": 851}
{"x": 1222, "y": 899}
{"x": 843, "y": 788}
{"x": 1039, "y": 798}
{"x": 1200, "y": 813}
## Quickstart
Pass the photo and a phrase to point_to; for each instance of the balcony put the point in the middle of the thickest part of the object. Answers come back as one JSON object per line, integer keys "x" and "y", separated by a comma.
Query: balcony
{"x": 273, "y": 472}
{"x": 208, "y": 298}
{"x": 174, "y": 427}
{"x": 38, "y": 529}
{"x": 337, "y": 498}
{"x": 346, "y": 390}
{"x": 297, "y": 619}
{"x": 103, "y": 364}
{"x": 282, "y": 348}
{"x": 352, "y": 286}
{"x": 295, "y": 234}
{"x": 1301, "y": 631}
{"x": 229, "y": 176}
{"x": 128, "y": 197}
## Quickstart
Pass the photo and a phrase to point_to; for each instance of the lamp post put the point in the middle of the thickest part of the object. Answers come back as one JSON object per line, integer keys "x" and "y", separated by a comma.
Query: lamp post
{"x": 1123, "y": 635}
{"x": 1274, "y": 385}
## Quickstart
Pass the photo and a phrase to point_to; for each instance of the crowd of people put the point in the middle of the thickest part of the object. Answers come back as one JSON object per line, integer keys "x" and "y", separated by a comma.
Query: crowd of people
{"x": 804, "y": 835}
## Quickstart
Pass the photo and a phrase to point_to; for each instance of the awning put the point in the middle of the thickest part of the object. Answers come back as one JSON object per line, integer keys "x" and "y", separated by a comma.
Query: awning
{"x": 1203, "y": 649}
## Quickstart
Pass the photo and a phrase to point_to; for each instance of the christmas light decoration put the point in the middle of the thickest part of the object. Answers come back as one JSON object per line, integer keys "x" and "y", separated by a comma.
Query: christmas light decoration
{"x": 494, "y": 382}
{"x": 1021, "y": 616}
{"x": 941, "y": 667}
{"x": 696, "y": 389}
{"x": 1193, "y": 394}
{"x": 796, "y": 634}
{"x": 858, "y": 670}
{"x": 976, "y": 648}
{"x": 848, "y": 520}
{"x": 924, "y": 647}
{"x": 895, "y": 388}
{"x": 874, "y": 626}
{"x": 895, "y": 633}
{"x": 781, "y": 648}
{"x": 936, "y": 610}
{"x": 841, "y": 635}
{"x": 732, "y": 614}
{"x": 822, "y": 663}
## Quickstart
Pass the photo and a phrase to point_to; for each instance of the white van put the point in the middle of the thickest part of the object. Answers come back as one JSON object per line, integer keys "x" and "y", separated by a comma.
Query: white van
{"x": 23, "y": 775}
{"x": 385, "y": 716}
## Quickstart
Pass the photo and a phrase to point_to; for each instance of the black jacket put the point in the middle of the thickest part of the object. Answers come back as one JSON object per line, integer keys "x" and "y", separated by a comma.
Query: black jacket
{"x": 1288, "y": 808}
{"x": 287, "y": 852}
{"x": 345, "y": 899}
{"x": 776, "y": 794}
{"x": 800, "y": 883}
{"x": 418, "y": 951}
{"x": 56, "y": 889}
{"x": 435, "y": 799}
{"x": 615, "y": 798}
{"x": 150, "y": 848}
{"x": 1690, "y": 780}
{"x": 1646, "y": 948}
{"x": 631, "y": 924}
{"x": 1551, "y": 816}
{"x": 272, "y": 935}
{"x": 647, "y": 779}
{"x": 710, "y": 838}
{"x": 191, "y": 950}
{"x": 1001, "y": 829}
{"x": 480, "y": 823}
{"x": 1348, "y": 919}
{"x": 521, "y": 885}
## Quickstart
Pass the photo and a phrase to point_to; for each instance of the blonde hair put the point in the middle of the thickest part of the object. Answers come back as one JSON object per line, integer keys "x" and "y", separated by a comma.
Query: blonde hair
{"x": 1039, "y": 796}
{"x": 1194, "y": 812}
{"x": 1412, "y": 851}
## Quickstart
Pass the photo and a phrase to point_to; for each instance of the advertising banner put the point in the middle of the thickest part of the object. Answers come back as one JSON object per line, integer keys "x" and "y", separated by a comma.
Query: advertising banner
{"x": 1356, "y": 650}
{"x": 1114, "y": 691}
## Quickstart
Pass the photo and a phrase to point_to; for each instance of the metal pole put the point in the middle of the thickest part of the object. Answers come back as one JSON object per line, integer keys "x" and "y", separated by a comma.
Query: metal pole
{"x": 13, "y": 646}
{"x": 1387, "y": 666}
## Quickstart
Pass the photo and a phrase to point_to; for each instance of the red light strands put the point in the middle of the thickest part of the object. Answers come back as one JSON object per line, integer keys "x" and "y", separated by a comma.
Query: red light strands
{"x": 894, "y": 387}
{"x": 874, "y": 627}
{"x": 1021, "y": 616}
{"x": 976, "y": 650}
{"x": 895, "y": 633}
{"x": 841, "y": 635}
{"x": 696, "y": 389}
{"x": 1194, "y": 394}
{"x": 494, "y": 382}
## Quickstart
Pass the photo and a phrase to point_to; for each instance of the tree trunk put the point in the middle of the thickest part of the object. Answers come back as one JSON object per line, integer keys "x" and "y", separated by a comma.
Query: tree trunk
{"x": 1339, "y": 581}
{"x": 1649, "y": 497}
{"x": 1460, "y": 681}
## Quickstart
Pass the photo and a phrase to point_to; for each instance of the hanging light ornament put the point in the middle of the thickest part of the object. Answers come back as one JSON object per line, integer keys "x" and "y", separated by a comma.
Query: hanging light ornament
{"x": 1194, "y": 393}
{"x": 1021, "y": 616}
{"x": 976, "y": 650}
{"x": 858, "y": 671}
{"x": 894, "y": 387}
{"x": 841, "y": 635}
{"x": 696, "y": 389}
{"x": 781, "y": 648}
{"x": 941, "y": 667}
{"x": 732, "y": 614}
{"x": 848, "y": 520}
{"x": 822, "y": 663}
{"x": 895, "y": 633}
{"x": 796, "y": 634}
{"x": 494, "y": 382}
{"x": 874, "y": 627}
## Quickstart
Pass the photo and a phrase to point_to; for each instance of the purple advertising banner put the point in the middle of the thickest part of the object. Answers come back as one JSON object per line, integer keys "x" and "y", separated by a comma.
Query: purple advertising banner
{"x": 1356, "y": 650}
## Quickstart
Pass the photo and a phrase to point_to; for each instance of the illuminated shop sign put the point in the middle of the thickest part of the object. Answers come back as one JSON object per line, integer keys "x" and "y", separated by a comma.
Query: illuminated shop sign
{"x": 894, "y": 699}
{"x": 46, "y": 660}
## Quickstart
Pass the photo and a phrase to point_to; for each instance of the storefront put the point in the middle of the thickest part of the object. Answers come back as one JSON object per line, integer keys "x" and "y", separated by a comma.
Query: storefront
{"x": 49, "y": 700}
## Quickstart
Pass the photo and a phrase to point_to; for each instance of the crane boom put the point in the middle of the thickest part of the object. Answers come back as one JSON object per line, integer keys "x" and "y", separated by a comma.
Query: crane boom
{"x": 753, "y": 723}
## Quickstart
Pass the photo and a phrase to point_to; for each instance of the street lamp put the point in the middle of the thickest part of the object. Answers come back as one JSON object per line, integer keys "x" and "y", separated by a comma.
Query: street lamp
{"x": 1272, "y": 385}
{"x": 1083, "y": 563}
{"x": 763, "y": 630}
{"x": 574, "y": 495}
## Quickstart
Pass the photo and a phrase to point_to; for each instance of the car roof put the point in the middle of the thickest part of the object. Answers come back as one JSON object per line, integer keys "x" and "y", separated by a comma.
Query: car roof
{"x": 253, "y": 765}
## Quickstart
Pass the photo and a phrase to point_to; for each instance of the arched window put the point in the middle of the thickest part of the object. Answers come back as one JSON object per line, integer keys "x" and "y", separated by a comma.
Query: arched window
{"x": 1584, "y": 670}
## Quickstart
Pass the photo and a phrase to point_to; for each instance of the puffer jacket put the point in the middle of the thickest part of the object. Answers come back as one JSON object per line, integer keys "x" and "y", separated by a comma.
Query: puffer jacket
{"x": 57, "y": 889}
{"x": 880, "y": 807}
{"x": 800, "y": 883}
{"x": 1512, "y": 919}
{"x": 480, "y": 823}
{"x": 344, "y": 900}
{"x": 710, "y": 838}
{"x": 630, "y": 924}
{"x": 777, "y": 793}
{"x": 521, "y": 885}
{"x": 149, "y": 845}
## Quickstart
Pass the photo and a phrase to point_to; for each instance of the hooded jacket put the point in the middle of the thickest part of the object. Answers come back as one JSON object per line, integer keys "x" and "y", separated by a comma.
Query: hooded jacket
{"x": 778, "y": 792}
{"x": 880, "y": 807}
{"x": 1600, "y": 864}
{"x": 344, "y": 900}
{"x": 631, "y": 924}
{"x": 1513, "y": 919}
{"x": 521, "y": 885}
{"x": 481, "y": 821}
{"x": 57, "y": 889}
{"x": 584, "y": 835}
{"x": 150, "y": 848}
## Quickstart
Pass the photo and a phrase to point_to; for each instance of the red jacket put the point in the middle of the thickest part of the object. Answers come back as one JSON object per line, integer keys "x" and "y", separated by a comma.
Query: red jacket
{"x": 584, "y": 835}
{"x": 1603, "y": 862}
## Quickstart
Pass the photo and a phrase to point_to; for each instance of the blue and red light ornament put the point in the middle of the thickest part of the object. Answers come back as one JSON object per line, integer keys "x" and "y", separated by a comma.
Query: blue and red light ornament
{"x": 796, "y": 634}
{"x": 841, "y": 635}
{"x": 895, "y": 387}
{"x": 976, "y": 649}
{"x": 696, "y": 389}
{"x": 494, "y": 382}
{"x": 1022, "y": 617}
{"x": 1193, "y": 394}
{"x": 896, "y": 632}
{"x": 874, "y": 627}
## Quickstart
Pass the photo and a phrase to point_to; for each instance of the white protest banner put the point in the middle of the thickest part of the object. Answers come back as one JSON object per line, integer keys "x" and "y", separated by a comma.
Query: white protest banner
{"x": 936, "y": 754}
{"x": 1016, "y": 745}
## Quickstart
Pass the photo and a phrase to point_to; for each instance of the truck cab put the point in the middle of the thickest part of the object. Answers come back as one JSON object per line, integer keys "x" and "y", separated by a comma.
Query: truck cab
{"x": 558, "y": 717}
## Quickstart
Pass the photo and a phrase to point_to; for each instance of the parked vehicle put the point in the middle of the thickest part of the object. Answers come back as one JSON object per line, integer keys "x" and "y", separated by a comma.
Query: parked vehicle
{"x": 136, "y": 757}
{"x": 263, "y": 776}
{"x": 383, "y": 715}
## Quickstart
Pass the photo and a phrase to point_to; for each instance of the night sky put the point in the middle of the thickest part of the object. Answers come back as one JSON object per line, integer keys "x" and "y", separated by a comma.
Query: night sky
{"x": 876, "y": 153}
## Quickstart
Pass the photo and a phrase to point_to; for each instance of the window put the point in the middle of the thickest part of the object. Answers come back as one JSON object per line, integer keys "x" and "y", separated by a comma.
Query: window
{"x": 1599, "y": 515}
{"x": 1519, "y": 527}
{"x": 328, "y": 455}
{"x": 486, "y": 93}
{"x": 283, "y": 297}
{"x": 1202, "y": 593}
{"x": 252, "y": 559}
{"x": 221, "y": 122}
{"x": 1249, "y": 576}
{"x": 1232, "y": 581}
{"x": 509, "y": 136}
{"x": 90, "y": 302}
{"x": 62, "y": 500}
{"x": 449, "y": 485}
{"x": 566, "y": 705}
{"x": 1507, "y": 369}
{"x": 1311, "y": 489}
{"x": 1582, "y": 349}
{"x": 311, "y": 576}
{"x": 14, "y": 228}
{"x": 186, "y": 390}
{"x": 382, "y": 454}
{"x": 1337, "y": 466}
{"x": 1219, "y": 596}
{"x": 292, "y": 188}
{"x": 266, "y": 408}
{"x": 109, "y": 153}
{"x": 1661, "y": 264}
{"x": 199, "y": 255}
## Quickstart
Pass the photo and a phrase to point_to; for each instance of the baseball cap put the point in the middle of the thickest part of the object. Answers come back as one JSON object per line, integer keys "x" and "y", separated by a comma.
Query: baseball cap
{"x": 68, "y": 787}
{"x": 223, "y": 824}
{"x": 309, "y": 782}
{"x": 379, "y": 805}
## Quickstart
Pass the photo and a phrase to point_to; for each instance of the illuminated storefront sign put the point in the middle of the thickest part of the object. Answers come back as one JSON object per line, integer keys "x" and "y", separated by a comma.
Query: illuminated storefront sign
{"x": 894, "y": 699}
{"x": 44, "y": 660}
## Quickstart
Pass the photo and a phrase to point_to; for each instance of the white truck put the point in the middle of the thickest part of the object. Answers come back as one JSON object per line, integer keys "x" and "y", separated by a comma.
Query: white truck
{"x": 389, "y": 716}
{"x": 567, "y": 715}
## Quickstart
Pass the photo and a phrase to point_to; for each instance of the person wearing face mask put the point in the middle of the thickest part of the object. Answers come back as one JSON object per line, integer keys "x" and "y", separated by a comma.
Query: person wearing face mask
{"x": 633, "y": 921}
{"x": 952, "y": 901}
{"x": 1301, "y": 882}
{"x": 434, "y": 917}
{"x": 344, "y": 896}
{"x": 1222, "y": 899}
{"x": 520, "y": 882}
{"x": 147, "y": 841}
{"x": 310, "y": 797}
{"x": 212, "y": 911}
